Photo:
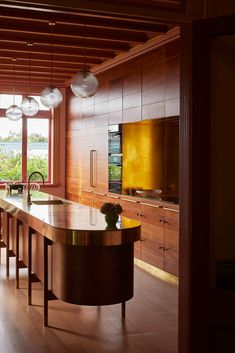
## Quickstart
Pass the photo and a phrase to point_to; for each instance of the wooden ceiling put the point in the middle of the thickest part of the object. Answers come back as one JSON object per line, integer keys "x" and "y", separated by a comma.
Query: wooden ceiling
{"x": 74, "y": 37}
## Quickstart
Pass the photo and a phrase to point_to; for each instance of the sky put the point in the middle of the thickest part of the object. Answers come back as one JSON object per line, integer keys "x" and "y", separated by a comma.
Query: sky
{"x": 39, "y": 126}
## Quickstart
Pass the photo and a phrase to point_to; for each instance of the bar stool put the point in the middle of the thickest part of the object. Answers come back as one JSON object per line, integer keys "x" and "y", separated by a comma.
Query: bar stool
{"x": 5, "y": 219}
{"x": 18, "y": 263}
{"x": 2, "y": 244}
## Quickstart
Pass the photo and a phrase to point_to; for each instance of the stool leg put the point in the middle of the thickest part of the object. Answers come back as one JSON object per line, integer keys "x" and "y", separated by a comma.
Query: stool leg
{"x": 18, "y": 224}
{"x": 7, "y": 246}
{"x": 30, "y": 232}
{"x": 45, "y": 291}
{"x": 123, "y": 310}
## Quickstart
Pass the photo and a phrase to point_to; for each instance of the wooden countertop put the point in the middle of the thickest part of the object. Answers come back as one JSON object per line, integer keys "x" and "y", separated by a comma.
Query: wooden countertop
{"x": 69, "y": 222}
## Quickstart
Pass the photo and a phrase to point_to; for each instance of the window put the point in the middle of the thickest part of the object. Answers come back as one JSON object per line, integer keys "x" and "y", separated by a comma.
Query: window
{"x": 25, "y": 144}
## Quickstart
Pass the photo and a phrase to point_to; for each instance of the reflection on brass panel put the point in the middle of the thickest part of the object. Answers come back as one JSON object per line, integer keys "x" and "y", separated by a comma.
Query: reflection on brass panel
{"x": 143, "y": 155}
{"x": 151, "y": 155}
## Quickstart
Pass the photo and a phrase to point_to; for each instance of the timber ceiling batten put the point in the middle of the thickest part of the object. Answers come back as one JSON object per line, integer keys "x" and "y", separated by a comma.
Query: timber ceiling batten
{"x": 107, "y": 37}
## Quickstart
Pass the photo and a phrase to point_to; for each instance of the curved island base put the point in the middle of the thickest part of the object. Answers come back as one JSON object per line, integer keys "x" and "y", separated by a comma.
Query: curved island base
{"x": 94, "y": 275}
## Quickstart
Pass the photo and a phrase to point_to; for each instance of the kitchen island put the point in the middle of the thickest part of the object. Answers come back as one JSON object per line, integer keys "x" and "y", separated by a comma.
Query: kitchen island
{"x": 90, "y": 263}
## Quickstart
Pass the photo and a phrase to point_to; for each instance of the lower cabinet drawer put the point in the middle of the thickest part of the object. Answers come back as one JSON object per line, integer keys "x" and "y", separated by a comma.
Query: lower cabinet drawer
{"x": 88, "y": 199}
{"x": 151, "y": 254}
{"x": 152, "y": 239}
{"x": 131, "y": 209}
{"x": 171, "y": 261}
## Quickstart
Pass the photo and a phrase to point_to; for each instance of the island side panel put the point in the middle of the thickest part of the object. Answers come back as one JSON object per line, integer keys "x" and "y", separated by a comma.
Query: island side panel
{"x": 93, "y": 275}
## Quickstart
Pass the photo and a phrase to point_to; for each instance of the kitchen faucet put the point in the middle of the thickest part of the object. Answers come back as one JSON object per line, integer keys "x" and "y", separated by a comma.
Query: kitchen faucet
{"x": 28, "y": 184}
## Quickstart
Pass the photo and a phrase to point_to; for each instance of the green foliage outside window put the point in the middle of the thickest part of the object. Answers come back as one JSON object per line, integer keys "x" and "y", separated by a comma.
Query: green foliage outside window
{"x": 114, "y": 172}
{"x": 39, "y": 164}
{"x": 10, "y": 162}
{"x": 10, "y": 166}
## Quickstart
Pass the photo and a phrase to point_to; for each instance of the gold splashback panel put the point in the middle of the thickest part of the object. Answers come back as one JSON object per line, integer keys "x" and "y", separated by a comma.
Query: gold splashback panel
{"x": 143, "y": 154}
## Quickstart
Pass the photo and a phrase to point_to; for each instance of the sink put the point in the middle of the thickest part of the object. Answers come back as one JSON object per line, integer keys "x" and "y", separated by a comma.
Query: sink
{"x": 47, "y": 202}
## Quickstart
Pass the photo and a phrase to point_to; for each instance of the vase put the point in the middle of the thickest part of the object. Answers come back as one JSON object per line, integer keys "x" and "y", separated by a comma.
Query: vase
{"x": 111, "y": 219}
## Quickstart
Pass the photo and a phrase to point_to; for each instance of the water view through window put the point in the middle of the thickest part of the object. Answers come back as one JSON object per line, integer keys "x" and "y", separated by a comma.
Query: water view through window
{"x": 37, "y": 146}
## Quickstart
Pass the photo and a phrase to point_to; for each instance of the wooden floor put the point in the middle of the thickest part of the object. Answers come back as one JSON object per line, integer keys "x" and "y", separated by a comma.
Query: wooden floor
{"x": 150, "y": 325}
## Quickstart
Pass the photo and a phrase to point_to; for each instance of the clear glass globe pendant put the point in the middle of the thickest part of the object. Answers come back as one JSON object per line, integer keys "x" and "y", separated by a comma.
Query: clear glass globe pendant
{"x": 51, "y": 97}
{"x": 14, "y": 113}
{"x": 84, "y": 84}
{"x": 29, "y": 106}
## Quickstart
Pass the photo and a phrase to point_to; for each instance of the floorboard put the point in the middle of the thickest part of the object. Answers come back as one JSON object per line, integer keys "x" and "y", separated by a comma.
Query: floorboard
{"x": 150, "y": 325}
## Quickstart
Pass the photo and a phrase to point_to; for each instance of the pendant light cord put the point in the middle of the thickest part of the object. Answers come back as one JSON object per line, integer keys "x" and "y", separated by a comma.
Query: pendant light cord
{"x": 14, "y": 61}
{"x": 30, "y": 44}
{"x": 51, "y": 24}
{"x": 84, "y": 45}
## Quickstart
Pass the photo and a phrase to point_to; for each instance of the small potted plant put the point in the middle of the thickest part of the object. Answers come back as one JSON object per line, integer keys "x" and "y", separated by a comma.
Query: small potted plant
{"x": 111, "y": 212}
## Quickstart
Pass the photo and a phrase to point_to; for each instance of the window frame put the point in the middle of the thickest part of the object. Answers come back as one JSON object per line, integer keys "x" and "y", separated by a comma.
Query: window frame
{"x": 42, "y": 114}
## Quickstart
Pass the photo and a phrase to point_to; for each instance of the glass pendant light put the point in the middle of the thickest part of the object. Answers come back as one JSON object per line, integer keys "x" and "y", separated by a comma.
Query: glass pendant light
{"x": 84, "y": 84}
{"x": 14, "y": 112}
{"x": 29, "y": 105}
{"x": 51, "y": 96}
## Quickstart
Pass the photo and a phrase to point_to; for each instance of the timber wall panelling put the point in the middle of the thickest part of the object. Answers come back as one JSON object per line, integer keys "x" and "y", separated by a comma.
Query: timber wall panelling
{"x": 146, "y": 87}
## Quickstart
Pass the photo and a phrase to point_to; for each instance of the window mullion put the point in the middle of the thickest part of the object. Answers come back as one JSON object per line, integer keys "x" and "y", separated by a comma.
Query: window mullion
{"x": 24, "y": 149}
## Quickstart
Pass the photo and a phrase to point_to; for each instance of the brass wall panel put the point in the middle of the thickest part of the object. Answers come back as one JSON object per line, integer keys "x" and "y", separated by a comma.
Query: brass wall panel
{"x": 143, "y": 155}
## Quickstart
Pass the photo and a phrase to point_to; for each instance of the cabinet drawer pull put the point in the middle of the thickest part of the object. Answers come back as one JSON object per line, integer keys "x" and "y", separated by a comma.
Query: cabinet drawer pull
{"x": 139, "y": 214}
{"x": 163, "y": 248}
{"x": 162, "y": 220}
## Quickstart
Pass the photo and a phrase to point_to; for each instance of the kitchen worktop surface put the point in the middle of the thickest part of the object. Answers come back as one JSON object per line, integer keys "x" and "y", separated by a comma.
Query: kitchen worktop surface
{"x": 69, "y": 222}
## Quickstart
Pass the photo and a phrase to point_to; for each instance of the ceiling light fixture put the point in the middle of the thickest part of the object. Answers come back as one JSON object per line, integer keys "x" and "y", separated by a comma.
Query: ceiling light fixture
{"x": 14, "y": 112}
{"x": 51, "y": 96}
{"x": 29, "y": 105}
{"x": 84, "y": 84}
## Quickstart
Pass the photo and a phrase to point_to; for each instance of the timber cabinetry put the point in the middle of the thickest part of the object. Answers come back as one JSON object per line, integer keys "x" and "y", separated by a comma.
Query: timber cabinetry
{"x": 171, "y": 243}
{"x": 152, "y": 235}
{"x": 159, "y": 244}
{"x": 94, "y": 160}
{"x": 92, "y": 199}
